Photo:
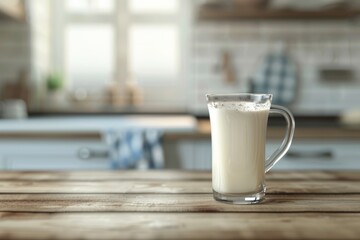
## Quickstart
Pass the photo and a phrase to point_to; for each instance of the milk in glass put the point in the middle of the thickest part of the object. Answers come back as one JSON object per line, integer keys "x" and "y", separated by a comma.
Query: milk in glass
{"x": 238, "y": 134}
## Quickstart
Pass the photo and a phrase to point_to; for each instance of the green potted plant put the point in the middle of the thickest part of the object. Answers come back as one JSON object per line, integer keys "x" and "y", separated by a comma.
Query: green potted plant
{"x": 54, "y": 82}
{"x": 54, "y": 85}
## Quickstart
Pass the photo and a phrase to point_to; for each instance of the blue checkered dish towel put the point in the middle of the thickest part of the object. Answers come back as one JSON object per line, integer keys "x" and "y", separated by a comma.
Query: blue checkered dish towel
{"x": 137, "y": 149}
{"x": 276, "y": 75}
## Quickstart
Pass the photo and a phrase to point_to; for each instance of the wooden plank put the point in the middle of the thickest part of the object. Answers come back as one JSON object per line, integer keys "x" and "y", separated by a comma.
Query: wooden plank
{"x": 151, "y": 186}
{"x": 313, "y": 187}
{"x": 170, "y": 175}
{"x": 314, "y": 175}
{"x": 172, "y": 187}
{"x": 105, "y": 175}
{"x": 173, "y": 203}
{"x": 178, "y": 225}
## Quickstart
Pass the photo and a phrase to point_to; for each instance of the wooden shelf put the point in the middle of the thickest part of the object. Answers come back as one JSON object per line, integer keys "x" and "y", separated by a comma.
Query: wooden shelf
{"x": 206, "y": 13}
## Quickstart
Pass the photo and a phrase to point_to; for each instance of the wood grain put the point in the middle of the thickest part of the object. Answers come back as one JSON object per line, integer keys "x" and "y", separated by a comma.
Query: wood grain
{"x": 179, "y": 225}
{"x": 169, "y": 175}
{"x": 173, "y": 203}
{"x": 133, "y": 175}
{"x": 172, "y": 187}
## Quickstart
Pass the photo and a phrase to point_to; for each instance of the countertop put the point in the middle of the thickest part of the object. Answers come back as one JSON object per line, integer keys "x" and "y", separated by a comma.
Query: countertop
{"x": 96, "y": 124}
{"x": 175, "y": 204}
{"x": 302, "y": 131}
{"x": 175, "y": 126}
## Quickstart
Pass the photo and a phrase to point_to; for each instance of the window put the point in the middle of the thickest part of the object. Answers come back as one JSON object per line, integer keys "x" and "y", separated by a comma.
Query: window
{"x": 89, "y": 62}
{"x": 153, "y": 52}
{"x": 85, "y": 44}
{"x": 89, "y": 6}
{"x": 154, "y": 6}
{"x": 113, "y": 40}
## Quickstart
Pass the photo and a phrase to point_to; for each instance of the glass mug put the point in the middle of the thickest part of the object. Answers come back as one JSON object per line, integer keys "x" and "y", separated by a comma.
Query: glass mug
{"x": 238, "y": 136}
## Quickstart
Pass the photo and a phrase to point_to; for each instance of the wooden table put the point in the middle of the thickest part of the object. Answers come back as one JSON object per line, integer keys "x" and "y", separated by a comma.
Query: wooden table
{"x": 175, "y": 204}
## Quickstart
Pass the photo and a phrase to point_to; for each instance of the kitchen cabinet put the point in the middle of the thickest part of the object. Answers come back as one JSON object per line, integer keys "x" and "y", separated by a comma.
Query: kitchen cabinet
{"x": 74, "y": 143}
{"x": 188, "y": 154}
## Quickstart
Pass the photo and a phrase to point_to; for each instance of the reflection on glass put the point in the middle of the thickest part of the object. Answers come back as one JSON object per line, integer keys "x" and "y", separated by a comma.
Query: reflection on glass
{"x": 90, "y": 6}
{"x": 153, "y": 6}
{"x": 89, "y": 54}
{"x": 154, "y": 52}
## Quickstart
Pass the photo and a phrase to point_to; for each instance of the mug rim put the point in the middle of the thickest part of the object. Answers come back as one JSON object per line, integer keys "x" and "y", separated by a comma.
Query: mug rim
{"x": 235, "y": 97}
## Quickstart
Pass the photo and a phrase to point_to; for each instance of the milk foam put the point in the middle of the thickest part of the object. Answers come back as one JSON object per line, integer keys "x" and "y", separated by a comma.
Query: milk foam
{"x": 238, "y": 134}
{"x": 240, "y": 106}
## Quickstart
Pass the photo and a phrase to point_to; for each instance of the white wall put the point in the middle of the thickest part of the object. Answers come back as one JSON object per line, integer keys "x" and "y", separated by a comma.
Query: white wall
{"x": 312, "y": 44}
{"x": 24, "y": 46}
{"x": 40, "y": 38}
{"x": 14, "y": 50}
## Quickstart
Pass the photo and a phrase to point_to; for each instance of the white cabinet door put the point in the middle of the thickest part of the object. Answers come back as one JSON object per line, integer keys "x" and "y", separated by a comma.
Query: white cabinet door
{"x": 202, "y": 155}
{"x": 188, "y": 154}
{"x": 179, "y": 154}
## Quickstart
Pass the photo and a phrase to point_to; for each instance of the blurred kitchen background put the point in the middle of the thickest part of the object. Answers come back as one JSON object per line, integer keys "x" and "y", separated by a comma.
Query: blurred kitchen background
{"x": 112, "y": 84}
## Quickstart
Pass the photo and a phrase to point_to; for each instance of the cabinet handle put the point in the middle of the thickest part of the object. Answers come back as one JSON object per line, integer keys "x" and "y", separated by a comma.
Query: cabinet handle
{"x": 322, "y": 155}
{"x": 86, "y": 153}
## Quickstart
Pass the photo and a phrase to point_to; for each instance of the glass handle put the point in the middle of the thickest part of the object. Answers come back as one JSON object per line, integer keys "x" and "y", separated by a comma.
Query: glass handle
{"x": 286, "y": 143}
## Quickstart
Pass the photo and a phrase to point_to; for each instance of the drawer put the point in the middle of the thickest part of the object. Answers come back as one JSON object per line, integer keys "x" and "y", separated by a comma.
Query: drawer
{"x": 50, "y": 147}
{"x": 53, "y": 154}
{"x": 54, "y": 163}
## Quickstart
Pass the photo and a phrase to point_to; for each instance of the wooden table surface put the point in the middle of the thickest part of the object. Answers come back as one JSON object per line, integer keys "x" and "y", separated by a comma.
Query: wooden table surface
{"x": 175, "y": 205}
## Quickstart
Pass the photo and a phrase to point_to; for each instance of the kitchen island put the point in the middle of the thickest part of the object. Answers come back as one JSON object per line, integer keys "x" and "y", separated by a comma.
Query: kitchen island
{"x": 175, "y": 204}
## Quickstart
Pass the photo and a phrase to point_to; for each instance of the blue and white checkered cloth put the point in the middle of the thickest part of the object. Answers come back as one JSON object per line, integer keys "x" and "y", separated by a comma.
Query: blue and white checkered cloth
{"x": 139, "y": 149}
{"x": 276, "y": 75}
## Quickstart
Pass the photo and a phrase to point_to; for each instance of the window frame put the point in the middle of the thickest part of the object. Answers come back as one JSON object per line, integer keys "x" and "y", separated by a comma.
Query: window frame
{"x": 122, "y": 19}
